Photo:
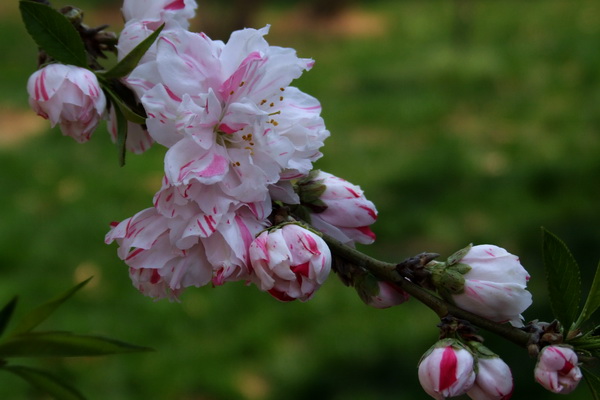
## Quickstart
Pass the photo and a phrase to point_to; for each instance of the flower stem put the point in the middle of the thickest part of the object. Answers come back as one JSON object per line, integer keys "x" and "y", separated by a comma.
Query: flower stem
{"x": 389, "y": 272}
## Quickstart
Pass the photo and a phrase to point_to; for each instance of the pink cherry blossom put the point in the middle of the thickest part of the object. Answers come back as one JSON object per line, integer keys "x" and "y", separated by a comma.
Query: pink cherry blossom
{"x": 347, "y": 214}
{"x": 447, "y": 370}
{"x": 557, "y": 369}
{"x": 227, "y": 112}
{"x": 494, "y": 380}
{"x": 69, "y": 96}
{"x": 183, "y": 252}
{"x": 289, "y": 262}
{"x": 495, "y": 286}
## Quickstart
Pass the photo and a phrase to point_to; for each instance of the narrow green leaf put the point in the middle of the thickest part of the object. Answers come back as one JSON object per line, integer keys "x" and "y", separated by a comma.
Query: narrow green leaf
{"x": 131, "y": 60}
{"x": 39, "y": 314}
{"x": 590, "y": 343}
{"x": 46, "y": 382}
{"x": 121, "y": 136}
{"x": 63, "y": 344}
{"x": 127, "y": 111}
{"x": 564, "y": 282}
{"x": 53, "y": 32}
{"x": 593, "y": 382}
{"x": 593, "y": 300}
{"x": 6, "y": 314}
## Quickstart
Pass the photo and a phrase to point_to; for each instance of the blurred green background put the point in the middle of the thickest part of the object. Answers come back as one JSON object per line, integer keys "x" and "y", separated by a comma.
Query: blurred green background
{"x": 464, "y": 121}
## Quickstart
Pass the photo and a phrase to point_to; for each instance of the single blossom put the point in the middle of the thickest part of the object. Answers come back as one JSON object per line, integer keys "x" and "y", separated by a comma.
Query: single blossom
{"x": 341, "y": 210}
{"x": 389, "y": 295}
{"x": 227, "y": 113}
{"x": 290, "y": 262}
{"x": 493, "y": 381}
{"x": 447, "y": 370}
{"x": 69, "y": 96}
{"x": 495, "y": 285}
{"x": 557, "y": 369}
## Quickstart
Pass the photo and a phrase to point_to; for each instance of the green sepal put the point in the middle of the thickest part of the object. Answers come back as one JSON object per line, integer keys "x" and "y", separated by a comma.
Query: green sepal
{"x": 448, "y": 280}
{"x": 131, "y": 60}
{"x": 592, "y": 302}
{"x": 459, "y": 255}
{"x": 40, "y": 313}
{"x": 310, "y": 189}
{"x": 367, "y": 287}
{"x": 46, "y": 382}
{"x": 564, "y": 282}
{"x": 6, "y": 314}
{"x": 482, "y": 351}
{"x": 53, "y": 33}
{"x": 63, "y": 344}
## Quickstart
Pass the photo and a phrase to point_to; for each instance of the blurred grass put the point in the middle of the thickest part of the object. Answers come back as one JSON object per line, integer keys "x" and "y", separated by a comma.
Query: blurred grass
{"x": 463, "y": 121}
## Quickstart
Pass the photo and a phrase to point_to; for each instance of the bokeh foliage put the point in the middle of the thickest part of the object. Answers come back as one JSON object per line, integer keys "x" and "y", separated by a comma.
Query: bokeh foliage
{"x": 464, "y": 121}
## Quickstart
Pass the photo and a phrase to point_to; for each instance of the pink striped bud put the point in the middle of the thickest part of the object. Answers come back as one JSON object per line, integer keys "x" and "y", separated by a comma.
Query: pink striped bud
{"x": 447, "y": 370}
{"x": 494, "y": 380}
{"x": 289, "y": 262}
{"x": 557, "y": 369}
{"x": 69, "y": 96}
{"x": 338, "y": 208}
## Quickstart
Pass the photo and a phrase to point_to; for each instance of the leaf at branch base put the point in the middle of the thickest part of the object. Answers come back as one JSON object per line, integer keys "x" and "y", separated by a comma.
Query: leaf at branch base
{"x": 39, "y": 314}
{"x": 46, "y": 382}
{"x": 6, "y": 314}
{"x": 63, "y": 344}
{"x": 564, "y": 282}
{"x": 131, "y": 60}
{"x": 53, "y": 32}
{"x": 593, "y": 300}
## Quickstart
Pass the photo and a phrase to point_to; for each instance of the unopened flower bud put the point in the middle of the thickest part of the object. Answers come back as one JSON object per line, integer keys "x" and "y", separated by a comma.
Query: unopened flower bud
{"x": 290, "y": 262}
{"x": 494, "y": 283}
{"x": 494, "y": 379}
{"x": 557, "y": 369}
{"x": 389, "y": 295}
{"x": 69, "y": 96}
{"x": 338, "y": 208}
{"x": 447, "y": 370}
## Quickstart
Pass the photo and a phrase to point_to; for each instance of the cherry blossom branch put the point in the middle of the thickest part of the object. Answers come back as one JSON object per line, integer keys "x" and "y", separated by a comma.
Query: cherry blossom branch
{"x": 390, "y": 272}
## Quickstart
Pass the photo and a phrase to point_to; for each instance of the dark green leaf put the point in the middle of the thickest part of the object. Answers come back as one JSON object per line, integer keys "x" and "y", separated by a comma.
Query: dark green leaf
{"x": 593, "y": 300}
{"x": 46, "y": 382}
{"x": 593, "y": 382}
{"x": 131, "y": 60}
{"x": 39, "y": 314}
{"x": 127, "y": 111}
{"x": 6, "y": 314}
{"x": 564, "y": 282}
{"x": 53, "y": 32}
{"x": 63, "y": 344}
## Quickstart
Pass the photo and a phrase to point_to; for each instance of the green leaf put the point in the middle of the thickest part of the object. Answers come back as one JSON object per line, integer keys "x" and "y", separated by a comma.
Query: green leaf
{"x": 6, "y": 314}
{"x": 63, "y": 344}
{"x": 131, "y": 60}
{"x": 591, "y": 343}
{"x": 564, "y": 282}
{"x": 53, "y": 32}
{"x": 593, "y": 300}
{"x": 39, "y": 314}
{"x": 46, "y": 382}
{"x": 593, "y": 382}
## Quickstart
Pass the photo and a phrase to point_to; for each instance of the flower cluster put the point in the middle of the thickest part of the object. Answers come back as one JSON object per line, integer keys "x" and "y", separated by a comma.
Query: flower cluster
{"x": 451, "y": 368}
{"x": 241, "y": 145}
